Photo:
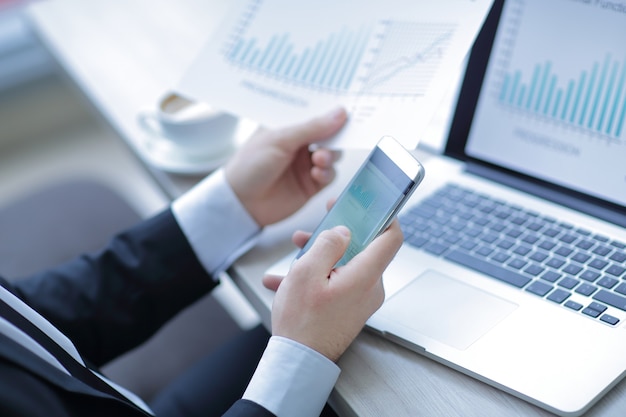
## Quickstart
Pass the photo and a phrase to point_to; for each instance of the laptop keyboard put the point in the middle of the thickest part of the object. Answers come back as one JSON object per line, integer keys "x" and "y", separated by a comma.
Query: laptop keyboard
{"x": 539, "y": 254}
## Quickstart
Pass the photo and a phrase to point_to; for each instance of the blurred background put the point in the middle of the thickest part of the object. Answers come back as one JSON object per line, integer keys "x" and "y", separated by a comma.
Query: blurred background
{"x": 49, "y": 132}
{"x": 68, "y": 182}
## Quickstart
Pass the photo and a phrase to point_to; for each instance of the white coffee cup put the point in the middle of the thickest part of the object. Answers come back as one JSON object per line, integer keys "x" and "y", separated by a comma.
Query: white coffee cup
{"x": 190, "y": 125}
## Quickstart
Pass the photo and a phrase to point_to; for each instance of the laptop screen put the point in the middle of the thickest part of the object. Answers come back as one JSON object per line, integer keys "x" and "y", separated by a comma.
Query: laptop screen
{"x": 550, "y": 95}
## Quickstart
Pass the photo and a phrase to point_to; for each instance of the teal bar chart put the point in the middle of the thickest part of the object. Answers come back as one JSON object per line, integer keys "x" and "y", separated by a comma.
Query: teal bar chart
{"x": 375, "y": 57}
{"x": 331, "y": 63}
{"x": 364, "y": 198}
{"x": 594, "y": 100}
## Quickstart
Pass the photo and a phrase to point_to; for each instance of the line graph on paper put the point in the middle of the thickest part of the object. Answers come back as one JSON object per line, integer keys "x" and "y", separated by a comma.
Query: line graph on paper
{"x": 388, "y": 57}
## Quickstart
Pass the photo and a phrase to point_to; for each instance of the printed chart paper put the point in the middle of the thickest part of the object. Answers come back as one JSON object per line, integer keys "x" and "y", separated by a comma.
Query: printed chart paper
{"x": 389, "y": 63}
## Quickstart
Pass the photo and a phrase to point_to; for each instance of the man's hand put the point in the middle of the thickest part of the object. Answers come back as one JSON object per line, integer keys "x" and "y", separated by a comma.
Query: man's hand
{"x": 323, "y": 307}
{"x": 275, "y": 173}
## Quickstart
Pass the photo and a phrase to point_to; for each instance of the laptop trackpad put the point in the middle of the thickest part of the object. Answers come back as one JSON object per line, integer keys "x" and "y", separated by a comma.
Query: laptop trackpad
{"x": 446, "y": 309}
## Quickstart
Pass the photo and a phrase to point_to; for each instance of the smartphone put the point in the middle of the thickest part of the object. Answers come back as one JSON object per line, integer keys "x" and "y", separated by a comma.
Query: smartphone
{"x": 373, "y": 197}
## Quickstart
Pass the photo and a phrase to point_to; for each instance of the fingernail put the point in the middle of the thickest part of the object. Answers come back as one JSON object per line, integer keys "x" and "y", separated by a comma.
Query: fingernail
{"x": 342, "y": 230}
{"x": 337, "y": 113}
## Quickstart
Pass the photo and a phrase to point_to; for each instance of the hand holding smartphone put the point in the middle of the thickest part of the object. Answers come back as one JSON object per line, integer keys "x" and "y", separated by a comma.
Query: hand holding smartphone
{"x": 373, "y": 197}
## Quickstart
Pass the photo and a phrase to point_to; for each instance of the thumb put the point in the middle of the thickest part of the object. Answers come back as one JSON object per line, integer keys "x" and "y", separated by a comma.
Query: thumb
{"x": 326, "y": 251}
{"x": 315, "y": 130}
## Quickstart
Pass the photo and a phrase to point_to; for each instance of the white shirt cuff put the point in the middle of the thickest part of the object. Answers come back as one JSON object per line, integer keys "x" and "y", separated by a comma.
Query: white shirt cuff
{"x": 217, "y": 226}
{"x": 292, "y": 379}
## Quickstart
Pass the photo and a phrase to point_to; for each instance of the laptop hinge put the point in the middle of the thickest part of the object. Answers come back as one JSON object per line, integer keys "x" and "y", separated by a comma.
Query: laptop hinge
{"x": 577, "y": 201}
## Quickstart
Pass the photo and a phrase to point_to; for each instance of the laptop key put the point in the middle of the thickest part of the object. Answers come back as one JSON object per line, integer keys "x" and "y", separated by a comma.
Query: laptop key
{"x": 468, "y": 245}
{"x": 522, "y": 250}
{"x": 586, "y": 289}
{"x": 591, "y": 312}
{"x": 500, "y": 257}
{"x": 534, "y": 269}
{"x": 539, "y": 288}
{"x": 618, "y": 257}
{"x": 602, "y": 250}
{"x": 585, "y": 244}
{"x": 610, "y": 298}
{"x": 547, "y": 245}
{"x": 530, "y": 239}
{"x": 601, "y": 238}
{"x": 568, "y": 282}
{"x": 607, "y": 318}
{"x": 539, "y": 256}
{"x": 559, "y": 295}
{"x": 535, "y": 226}
{"x": 517, "y": 263}
{"x": 581, "y": 257}
{"x": 564, "y": 251}
{"x": 551, "y": 232}
{"x": 568, "y": 238}
{"x": 417, "y": 241}
{"x": 607, "y": 282}
{"x": 590, "y": 276}
{"x": 598, "y": 307}
{"x": 451, "y": 238}
{"x": 500, "y": 273}
{"x": 621, "y": 288}
{"x": 484, "y": 251}
{"x": 505, "y": 244}
{"x": 615, "y": 270}
{"x": 551, "y": 276}
{"x": 435, "y": 248}
{"x": 555, "y": 263}
{"x": 598, "y": 264}
{"x": 481, "y": 221}
{"x": 424, "y": 212}
{"x": 572, "y": 269}
{"x": 573, "y": 305}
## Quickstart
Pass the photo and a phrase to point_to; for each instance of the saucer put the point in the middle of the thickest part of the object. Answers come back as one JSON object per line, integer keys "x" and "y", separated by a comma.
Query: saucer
{"x": 176, "y": 159}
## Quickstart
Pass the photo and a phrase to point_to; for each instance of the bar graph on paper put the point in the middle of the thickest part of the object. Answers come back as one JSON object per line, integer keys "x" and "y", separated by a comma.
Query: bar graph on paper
{"x": 386, "y": 57}
{"x": 389, "y": 64}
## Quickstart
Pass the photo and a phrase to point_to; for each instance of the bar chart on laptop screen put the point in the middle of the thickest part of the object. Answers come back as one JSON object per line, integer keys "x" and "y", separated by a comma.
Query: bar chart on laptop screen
{"x": 580, "y": 89}
{"x": 555, "y": 106}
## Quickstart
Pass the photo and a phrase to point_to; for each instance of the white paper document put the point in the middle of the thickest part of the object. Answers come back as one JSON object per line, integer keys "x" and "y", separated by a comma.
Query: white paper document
{"x": 389, "y": 63}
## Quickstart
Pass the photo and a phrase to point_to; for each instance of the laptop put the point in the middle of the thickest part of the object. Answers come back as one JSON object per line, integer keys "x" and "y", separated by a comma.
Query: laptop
{"x": 514, "y": 263}
{"x": 513, "y": 268}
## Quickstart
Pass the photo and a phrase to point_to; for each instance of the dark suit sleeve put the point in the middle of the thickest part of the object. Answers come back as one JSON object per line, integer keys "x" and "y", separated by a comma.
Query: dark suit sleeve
{"x": 111, "y": 301}
{"x": 245, "y": 408}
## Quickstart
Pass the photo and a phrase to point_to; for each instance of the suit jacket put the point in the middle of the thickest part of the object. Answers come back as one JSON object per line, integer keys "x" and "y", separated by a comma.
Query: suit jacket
{"x": 106, "y": 303}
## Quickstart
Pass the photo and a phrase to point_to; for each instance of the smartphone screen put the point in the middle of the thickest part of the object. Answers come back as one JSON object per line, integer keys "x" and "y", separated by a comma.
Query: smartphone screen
{"x": 368, "y": 203}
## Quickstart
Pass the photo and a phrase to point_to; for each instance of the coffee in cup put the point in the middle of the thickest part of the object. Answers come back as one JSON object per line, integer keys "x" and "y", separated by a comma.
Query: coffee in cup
{"x": 190, "y": 125}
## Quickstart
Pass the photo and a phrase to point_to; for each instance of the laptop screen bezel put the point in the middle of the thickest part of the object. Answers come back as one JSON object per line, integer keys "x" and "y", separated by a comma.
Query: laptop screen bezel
{"x": 461, "y": 123}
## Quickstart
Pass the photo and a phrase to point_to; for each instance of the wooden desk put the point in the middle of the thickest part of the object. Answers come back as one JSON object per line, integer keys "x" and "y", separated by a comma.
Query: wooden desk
{"x": 124, "y": 55}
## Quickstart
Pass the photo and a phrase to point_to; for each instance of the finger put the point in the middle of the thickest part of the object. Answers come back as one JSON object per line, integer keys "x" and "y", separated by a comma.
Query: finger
{"x": 323, "y": 176}
{"x": 272, "y": 282}
{"x": 323, "y": 169}
{"x": 325, "y": 158}
{"x": 300, "y": 238}
{"x": 326, "y": 251}
{"x": 315, "y": 130}
{"x": 330, "y": 203}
